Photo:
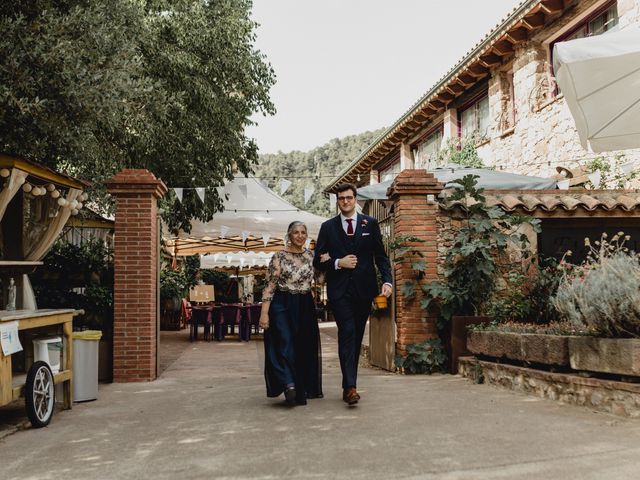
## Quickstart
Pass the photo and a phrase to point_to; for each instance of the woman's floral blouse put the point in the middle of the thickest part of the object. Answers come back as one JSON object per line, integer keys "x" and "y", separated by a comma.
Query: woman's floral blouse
{"x": 289, "y": 272}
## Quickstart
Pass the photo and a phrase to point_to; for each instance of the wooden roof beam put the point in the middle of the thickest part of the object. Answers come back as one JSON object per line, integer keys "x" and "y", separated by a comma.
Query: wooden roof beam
{"x": 503, "y": 48}
{"x": 552, "y": 7}
{"x": 517, "y": 35}
{"x": 490, "y": 60}
{"x": 455, "y": 88}
{"x": 533, "y": 22}
{"x": 466, "y": 80}
{"x": 437, "y": 104}
{"x": 477, "y": 70}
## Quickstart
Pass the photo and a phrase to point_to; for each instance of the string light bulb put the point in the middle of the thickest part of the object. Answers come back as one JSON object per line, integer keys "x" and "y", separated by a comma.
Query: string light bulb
{"x": 27, "y": 187}
{"x": 62, "y": 202}
{"x": 5, "y": 172}
{"x": 51, "y": 187}
{"x": 55, "y": 194}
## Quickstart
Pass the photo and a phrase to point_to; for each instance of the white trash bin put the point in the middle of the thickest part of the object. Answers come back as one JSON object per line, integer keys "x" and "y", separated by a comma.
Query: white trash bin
{"x": 85, "y": 365}
{"x": 48, "y": 350}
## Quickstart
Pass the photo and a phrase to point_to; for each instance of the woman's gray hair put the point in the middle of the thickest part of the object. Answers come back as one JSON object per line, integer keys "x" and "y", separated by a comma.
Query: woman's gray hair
{"x": 292, "y": 226}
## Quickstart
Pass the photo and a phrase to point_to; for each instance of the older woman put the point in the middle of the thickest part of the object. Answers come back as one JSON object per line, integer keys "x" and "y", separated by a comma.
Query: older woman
{"x": 292, "y": 338}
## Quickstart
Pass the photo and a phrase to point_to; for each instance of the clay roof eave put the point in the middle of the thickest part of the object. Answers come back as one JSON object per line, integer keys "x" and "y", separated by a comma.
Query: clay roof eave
{"x": 510, "y": 24}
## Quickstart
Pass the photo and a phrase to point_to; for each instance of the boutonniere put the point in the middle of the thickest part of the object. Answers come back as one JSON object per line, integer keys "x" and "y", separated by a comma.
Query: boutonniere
{"x": 364, "y": 223}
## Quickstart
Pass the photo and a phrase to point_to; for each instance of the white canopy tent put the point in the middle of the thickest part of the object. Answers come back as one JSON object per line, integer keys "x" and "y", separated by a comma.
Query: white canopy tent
{"x": 241, "y": 260}
{"x": 254, "y": 219}
{"x": 600, "y": 79}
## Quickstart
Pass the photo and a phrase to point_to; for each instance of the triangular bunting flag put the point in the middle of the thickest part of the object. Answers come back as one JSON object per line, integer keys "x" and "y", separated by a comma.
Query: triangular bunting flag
{"x": 307, "y": 243}
{"x": 245, "y": 235}
{"x": 595, "y": 177}
{"x": 332, "y": 199}
{"x": 308, "y": 191}
{"x": 563, "y": 184}
{"x": 223, "y": 231}
{"x": 178, "y": 192}
{"x": 284, "y": 185}
{"x": 200, "y": 192}
{"x": 221, "y": 193}
{"x": 265, "y": 239}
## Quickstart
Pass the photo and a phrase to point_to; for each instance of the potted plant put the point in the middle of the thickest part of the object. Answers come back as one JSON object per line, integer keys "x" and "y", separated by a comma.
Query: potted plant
{"x": 603, "y": 294}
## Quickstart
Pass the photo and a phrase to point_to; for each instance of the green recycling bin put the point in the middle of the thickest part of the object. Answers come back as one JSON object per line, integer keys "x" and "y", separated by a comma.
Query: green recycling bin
{"x": 85, "y": 365}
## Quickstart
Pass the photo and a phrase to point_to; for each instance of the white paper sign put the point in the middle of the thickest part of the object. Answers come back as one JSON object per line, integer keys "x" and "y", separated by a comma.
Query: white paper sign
{"x": 9, "y": 338}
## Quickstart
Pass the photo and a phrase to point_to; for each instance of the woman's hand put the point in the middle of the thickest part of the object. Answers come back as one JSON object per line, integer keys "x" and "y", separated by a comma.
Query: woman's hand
{"x": 264, "y": 321}
{"x": 324, "y": 258}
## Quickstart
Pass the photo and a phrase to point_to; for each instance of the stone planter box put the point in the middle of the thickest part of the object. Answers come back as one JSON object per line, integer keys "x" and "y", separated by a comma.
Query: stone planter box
{"x": 524, "y": 347}
{"x": 607, "y": 355}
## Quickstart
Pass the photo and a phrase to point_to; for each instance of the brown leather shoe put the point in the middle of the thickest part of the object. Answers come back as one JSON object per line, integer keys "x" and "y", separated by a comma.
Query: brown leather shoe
{"x": 350, "y": 395}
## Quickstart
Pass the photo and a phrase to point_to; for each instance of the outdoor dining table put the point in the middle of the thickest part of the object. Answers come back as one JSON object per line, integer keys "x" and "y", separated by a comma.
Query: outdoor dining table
{"x": 205, "y": 315}
{"x": 244, "y": 315}
{"x": 223, "y": 316}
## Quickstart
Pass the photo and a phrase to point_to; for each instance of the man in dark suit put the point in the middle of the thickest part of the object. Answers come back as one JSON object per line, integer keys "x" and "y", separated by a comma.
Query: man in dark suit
{"x": 348, "y": 249}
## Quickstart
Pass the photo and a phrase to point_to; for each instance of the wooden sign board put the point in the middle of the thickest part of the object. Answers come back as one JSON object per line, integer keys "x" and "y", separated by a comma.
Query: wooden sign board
{"x": 201, "y": 293}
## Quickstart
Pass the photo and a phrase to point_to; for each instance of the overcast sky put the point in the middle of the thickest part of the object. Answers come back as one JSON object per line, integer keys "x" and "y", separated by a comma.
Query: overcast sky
{"x": 347, "y": 66}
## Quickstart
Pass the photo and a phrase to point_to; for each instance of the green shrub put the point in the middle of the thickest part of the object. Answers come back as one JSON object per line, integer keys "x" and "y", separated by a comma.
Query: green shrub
{"x": 80, "y": 277}
{"x": 603, "y": 293}
{"x": 427, "y": 357}
{"x": 526, "y": 297}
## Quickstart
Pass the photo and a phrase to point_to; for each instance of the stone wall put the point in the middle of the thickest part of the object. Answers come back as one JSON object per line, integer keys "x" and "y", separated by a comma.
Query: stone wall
{"x": 617, "y": 398}
{"x": 543, "y": 135}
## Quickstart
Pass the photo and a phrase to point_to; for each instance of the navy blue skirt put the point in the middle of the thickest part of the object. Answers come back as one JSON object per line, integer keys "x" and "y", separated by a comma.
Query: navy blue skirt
{"x": 292, "y": 346}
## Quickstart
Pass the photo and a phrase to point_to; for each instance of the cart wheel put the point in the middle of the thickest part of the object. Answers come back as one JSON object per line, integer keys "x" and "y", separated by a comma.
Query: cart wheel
{"x": 39, "y": 394}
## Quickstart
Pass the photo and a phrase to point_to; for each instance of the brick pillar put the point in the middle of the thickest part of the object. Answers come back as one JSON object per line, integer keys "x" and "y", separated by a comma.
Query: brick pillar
{"x": 415, "y": 213}
{"x": 136, "y": 274}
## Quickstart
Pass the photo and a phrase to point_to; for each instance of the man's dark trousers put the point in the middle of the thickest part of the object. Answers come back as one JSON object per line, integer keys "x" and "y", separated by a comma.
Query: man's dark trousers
{"x": 351, "y": 313}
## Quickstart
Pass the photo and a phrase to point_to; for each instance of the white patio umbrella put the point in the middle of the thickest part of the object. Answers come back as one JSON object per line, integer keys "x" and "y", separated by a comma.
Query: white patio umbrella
{"x": 600, "y": 79}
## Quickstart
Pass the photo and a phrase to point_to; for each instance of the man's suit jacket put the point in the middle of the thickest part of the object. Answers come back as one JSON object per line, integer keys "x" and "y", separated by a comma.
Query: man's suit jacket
{"x": 366, "y": 244}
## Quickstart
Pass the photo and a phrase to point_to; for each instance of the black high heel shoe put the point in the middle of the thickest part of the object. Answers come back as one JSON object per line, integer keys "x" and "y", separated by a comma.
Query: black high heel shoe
{"x": 290, "y": 395}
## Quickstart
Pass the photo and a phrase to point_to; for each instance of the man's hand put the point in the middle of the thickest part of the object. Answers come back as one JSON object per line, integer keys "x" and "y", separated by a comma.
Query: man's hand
{"x": 386, "y": 290}
{"x": 264, "y": 321}
{"x": 350, "y": 262}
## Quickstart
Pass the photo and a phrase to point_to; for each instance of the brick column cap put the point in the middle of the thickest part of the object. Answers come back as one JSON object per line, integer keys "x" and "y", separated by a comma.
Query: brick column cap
{"x": 136, "y": 181}
{"x": 414, "y": 182}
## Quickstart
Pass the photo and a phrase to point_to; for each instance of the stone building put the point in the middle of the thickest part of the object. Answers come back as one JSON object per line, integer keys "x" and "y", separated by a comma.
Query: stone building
{"x": 503, "y": 98}
{"x": 503, "y": 94}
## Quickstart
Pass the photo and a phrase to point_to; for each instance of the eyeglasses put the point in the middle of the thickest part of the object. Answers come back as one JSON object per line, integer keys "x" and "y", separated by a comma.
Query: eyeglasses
{"x": 346, "y": 199}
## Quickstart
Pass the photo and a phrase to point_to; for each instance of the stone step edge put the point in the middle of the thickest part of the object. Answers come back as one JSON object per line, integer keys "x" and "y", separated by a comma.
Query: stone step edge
{"x": 617, "y": 398}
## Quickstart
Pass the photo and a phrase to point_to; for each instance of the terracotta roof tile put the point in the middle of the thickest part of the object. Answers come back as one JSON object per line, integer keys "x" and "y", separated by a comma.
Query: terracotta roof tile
{"x": 550, "y": 200}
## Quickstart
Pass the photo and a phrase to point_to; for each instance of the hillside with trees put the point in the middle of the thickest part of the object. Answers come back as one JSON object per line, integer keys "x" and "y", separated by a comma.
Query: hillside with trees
{"x": 315, "y": 168}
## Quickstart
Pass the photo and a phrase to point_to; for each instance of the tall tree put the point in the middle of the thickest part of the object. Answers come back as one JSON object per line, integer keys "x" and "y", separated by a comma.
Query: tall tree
{"x": 91, "y": 87}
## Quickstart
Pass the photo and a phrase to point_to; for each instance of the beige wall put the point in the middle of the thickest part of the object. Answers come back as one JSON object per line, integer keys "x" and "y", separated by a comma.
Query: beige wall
{"x": 544, "y": 134}
{"x": 541, "y": 133}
